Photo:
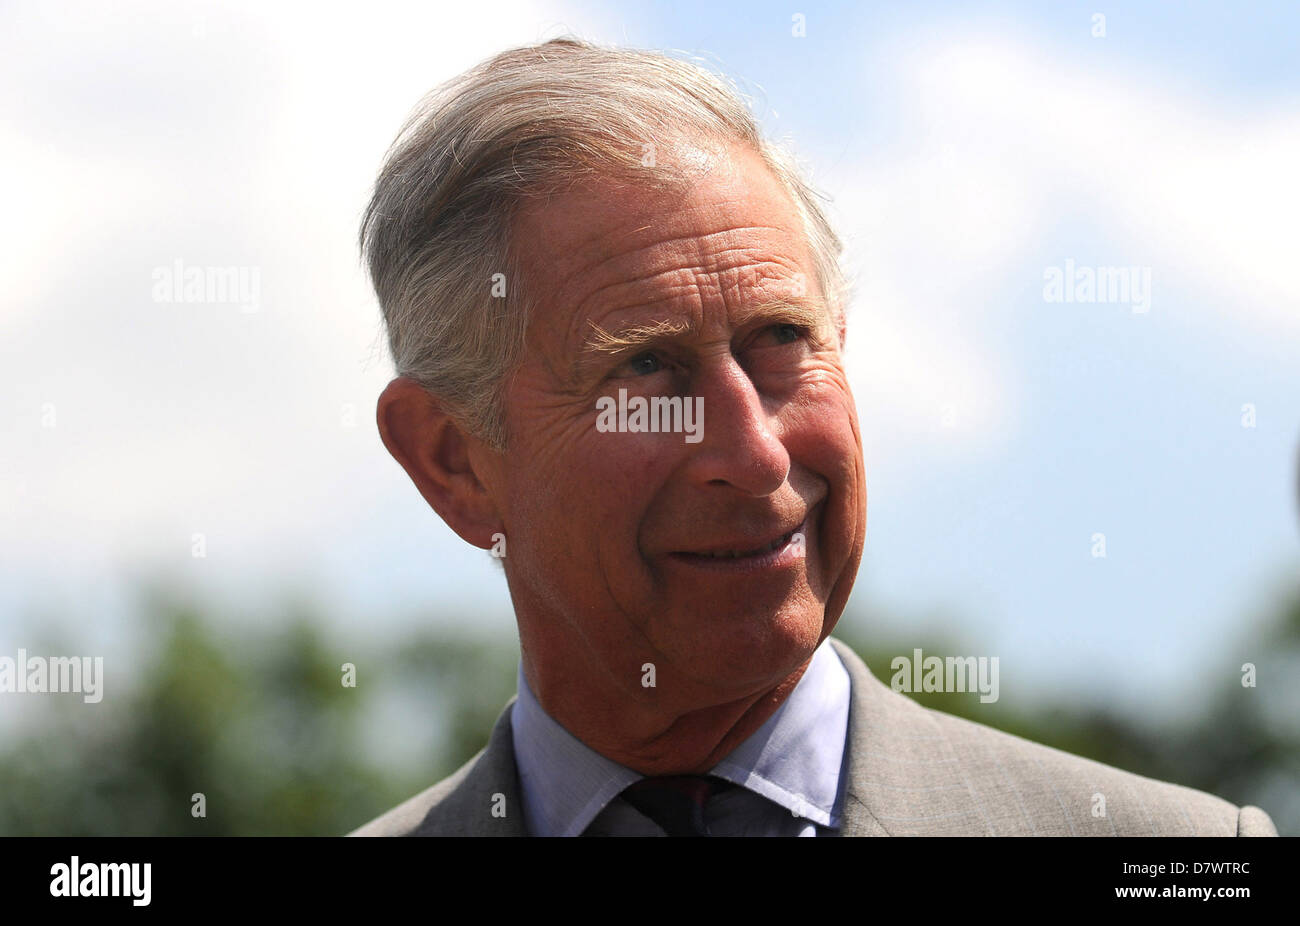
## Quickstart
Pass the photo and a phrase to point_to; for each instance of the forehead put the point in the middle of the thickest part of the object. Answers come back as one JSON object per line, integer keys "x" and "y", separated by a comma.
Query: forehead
{"x": 606, "y": 245}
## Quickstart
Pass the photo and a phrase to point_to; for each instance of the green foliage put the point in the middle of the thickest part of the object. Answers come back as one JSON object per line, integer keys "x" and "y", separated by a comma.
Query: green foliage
{"x": 262, "y": 728}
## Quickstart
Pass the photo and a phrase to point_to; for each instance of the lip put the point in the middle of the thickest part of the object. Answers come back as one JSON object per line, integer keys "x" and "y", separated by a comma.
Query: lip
{"x": 786, "y": 553}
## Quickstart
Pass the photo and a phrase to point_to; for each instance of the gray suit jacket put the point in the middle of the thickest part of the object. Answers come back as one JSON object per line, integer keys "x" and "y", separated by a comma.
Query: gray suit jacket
{"x": 911, "y": 772}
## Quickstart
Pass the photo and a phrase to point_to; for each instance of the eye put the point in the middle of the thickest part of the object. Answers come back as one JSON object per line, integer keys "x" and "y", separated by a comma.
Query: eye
{"x": 784, "y": 333}
{"x": 640, "y": 365}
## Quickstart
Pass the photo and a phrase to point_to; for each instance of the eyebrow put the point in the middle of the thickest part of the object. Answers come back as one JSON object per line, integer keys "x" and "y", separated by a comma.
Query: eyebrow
{"x": 602, "y": 344}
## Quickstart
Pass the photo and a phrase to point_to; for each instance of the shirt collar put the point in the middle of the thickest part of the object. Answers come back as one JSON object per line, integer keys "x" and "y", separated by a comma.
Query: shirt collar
{"x": 793, "y": 759}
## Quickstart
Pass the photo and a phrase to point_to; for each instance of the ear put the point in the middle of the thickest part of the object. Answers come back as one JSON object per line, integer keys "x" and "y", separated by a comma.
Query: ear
{"x": 435, "y": 452}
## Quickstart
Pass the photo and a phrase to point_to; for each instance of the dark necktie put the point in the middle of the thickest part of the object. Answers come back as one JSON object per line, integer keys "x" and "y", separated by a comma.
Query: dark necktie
{"x": 676, "y": 802}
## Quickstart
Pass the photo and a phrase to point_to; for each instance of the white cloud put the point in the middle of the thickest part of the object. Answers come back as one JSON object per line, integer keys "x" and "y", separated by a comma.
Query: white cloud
{"x": 1001, "y": 147}
{"x": 219, "y": 134}
{"x": 1209, "y": 191}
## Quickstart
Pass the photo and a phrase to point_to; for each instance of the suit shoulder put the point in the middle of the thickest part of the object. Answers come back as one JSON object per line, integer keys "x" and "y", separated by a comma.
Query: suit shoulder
{"x": 419, "y": 814}
{"x": 919, "y": 771}
{"x": 481, "y": 798}
{"x": 1090, "y": 797}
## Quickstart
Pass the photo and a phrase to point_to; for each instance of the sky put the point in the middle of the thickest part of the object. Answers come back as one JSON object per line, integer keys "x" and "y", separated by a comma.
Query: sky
{"x": 969, "y": 151}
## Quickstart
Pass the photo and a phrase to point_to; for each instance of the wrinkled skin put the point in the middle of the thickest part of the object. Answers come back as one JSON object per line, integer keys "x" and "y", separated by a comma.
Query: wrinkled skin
{"x": 597, "y": 523}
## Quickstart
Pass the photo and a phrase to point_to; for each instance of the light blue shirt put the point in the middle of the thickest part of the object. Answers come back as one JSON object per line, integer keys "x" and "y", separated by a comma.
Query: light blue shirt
{"x": 789, "y": 769}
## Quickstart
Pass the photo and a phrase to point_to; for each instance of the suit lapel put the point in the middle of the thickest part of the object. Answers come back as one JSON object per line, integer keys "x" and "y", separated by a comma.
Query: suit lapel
{"x": 858, "y": 819}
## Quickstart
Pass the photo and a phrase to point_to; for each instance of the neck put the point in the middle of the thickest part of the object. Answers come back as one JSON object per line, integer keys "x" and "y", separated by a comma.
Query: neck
{"x": 654, "y": 736}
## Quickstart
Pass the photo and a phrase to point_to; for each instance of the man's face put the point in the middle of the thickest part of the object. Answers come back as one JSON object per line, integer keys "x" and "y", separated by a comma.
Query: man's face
{"x": 612, "y": 535}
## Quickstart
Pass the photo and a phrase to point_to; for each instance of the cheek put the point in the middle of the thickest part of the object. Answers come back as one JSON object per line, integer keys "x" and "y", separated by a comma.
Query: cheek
{"x": 822, "y": 424}
{"x": 581, "y": 495}
{"x": 822, "y": 435}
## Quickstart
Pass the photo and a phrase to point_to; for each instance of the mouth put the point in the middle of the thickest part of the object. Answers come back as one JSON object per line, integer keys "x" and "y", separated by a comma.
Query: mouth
{"x": 780, "y": 551}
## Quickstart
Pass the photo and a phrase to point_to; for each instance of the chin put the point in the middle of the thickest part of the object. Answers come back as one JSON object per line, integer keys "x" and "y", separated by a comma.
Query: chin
{"x": 745, "y": 654}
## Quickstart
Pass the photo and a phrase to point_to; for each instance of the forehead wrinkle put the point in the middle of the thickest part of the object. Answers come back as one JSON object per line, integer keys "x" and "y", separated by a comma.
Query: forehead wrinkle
{"x": 695, "y": 286}
{"x": 606, "y": 262}
{"x": 712, "y": 263}
{"x": 613, "y": 255}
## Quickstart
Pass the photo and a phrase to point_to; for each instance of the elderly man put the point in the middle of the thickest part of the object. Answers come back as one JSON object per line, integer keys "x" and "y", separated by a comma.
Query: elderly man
{"x": 577, "y": 248}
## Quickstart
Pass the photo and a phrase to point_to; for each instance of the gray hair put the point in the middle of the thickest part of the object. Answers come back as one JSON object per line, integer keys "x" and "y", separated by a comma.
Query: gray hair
{"x": 526, "y": 123}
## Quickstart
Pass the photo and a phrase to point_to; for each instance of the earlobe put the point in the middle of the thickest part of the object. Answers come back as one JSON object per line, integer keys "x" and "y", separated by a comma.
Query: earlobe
{"x": 435, "y": 452}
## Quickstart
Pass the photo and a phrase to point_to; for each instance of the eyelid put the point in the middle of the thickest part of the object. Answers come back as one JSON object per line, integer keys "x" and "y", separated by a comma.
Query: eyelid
{"x": 636, "y": 354}
{"x": 663, "y": 352}
{"x": 803, "y": 331}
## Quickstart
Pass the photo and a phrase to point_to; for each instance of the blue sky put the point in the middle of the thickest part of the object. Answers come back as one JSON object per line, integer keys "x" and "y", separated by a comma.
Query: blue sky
{"x": 966, "y": 149}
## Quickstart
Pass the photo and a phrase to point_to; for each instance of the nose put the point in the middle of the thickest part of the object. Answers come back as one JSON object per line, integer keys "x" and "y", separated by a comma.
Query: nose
{"x": 739, "y": 447}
